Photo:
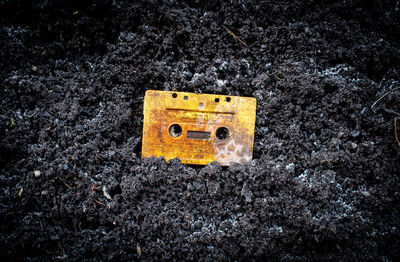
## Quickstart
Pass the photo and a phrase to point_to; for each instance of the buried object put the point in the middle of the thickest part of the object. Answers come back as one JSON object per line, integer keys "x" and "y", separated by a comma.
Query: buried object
{"x": 198, "y": 128}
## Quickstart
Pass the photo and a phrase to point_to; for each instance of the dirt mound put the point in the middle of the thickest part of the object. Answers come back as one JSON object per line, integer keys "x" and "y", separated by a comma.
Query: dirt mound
{"x": 324, "y": 182}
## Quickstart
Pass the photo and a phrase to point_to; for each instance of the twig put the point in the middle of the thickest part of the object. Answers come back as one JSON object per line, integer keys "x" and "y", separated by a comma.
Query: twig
{"x": 385, "y": 94}
{"x": 98, "y": 202}
{"x": 105, "y": 193}
{"x": 235, "y": 36}
{"x": 67, "y": 185}
{"x": 63, "y": 252}
{"x": 392, "y": 112}
{"x": 395, "y": 131}
{"x": 280, "y": 79}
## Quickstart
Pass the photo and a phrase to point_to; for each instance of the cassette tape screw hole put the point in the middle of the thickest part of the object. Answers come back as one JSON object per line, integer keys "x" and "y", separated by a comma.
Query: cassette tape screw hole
{"x": 175, "y": 130}
{"x": 228, "y": 99}
{"x": 174, "y": 95}
{"x": 185, "y": 97}
{"x": 222, "y": 133}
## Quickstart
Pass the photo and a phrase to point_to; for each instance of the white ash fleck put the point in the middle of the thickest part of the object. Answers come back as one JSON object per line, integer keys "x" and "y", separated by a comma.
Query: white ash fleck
{"x": 37, "y": 173}
{"x": 290, "y": 167}
{"x": 275, "y": 230}
{"x": 223, "y": 66}
{"x": 196, "y": 77}
{"x": 366, "y": 193}
{"x": 221, "y": 83}
{"x": 303, "y": 176}
{"x": 244, "y": 61}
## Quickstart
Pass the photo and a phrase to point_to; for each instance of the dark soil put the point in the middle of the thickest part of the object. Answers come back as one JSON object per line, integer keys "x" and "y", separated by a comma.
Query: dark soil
{"x": 324, "y": 183}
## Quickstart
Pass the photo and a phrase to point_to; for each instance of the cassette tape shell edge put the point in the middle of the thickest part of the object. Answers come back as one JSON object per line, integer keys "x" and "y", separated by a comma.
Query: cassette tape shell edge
{"x": 198, "y": 128}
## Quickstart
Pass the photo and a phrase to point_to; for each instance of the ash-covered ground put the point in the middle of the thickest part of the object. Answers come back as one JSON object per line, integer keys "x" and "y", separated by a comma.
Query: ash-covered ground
{"x": 324, "y": 182}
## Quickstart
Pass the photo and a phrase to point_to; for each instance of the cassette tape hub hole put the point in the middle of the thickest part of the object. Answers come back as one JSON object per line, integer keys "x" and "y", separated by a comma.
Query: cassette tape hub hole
{"x": 228, "y": 99}
{"x": 175, "y": 130}
{"x": 174, "y": 95}
{"x": 222, "y": 133}
{"x": 216, "y": 100}
{"x": 186, "y": 97}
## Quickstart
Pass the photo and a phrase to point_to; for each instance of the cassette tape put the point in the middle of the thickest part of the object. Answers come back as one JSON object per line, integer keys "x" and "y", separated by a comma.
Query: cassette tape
{"x": 198, "y": 128}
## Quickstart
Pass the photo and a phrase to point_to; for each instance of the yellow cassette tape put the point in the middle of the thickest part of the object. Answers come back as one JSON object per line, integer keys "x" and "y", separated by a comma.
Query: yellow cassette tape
{"x": 198, "y": 128}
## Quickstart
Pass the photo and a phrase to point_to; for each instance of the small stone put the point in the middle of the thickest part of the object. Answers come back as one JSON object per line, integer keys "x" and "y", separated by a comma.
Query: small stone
{"x": 246, "y": 193}
{"x": 366, "y": 193}
{"x": 354, "y": 145}
{"x": 365, "y": 144}
{"x": 340, "y": 134}
{"x": 355, "y": 133}
{"x": 37, "y": 173}
{"x": 33, "y": 68}
{"x": 44, "y": 193}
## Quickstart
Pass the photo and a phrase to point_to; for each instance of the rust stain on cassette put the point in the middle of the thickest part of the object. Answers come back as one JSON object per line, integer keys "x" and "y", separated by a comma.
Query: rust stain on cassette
{"x": 198, "y": 128}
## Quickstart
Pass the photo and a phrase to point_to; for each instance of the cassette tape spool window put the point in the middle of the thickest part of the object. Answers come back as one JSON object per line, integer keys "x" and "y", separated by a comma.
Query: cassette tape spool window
{"x": 222, "y": 133}
{"x": 175, "y": 130}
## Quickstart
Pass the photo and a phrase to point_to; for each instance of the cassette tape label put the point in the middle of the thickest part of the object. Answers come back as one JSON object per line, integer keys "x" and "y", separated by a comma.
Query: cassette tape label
{"x": 198, "y": 128}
